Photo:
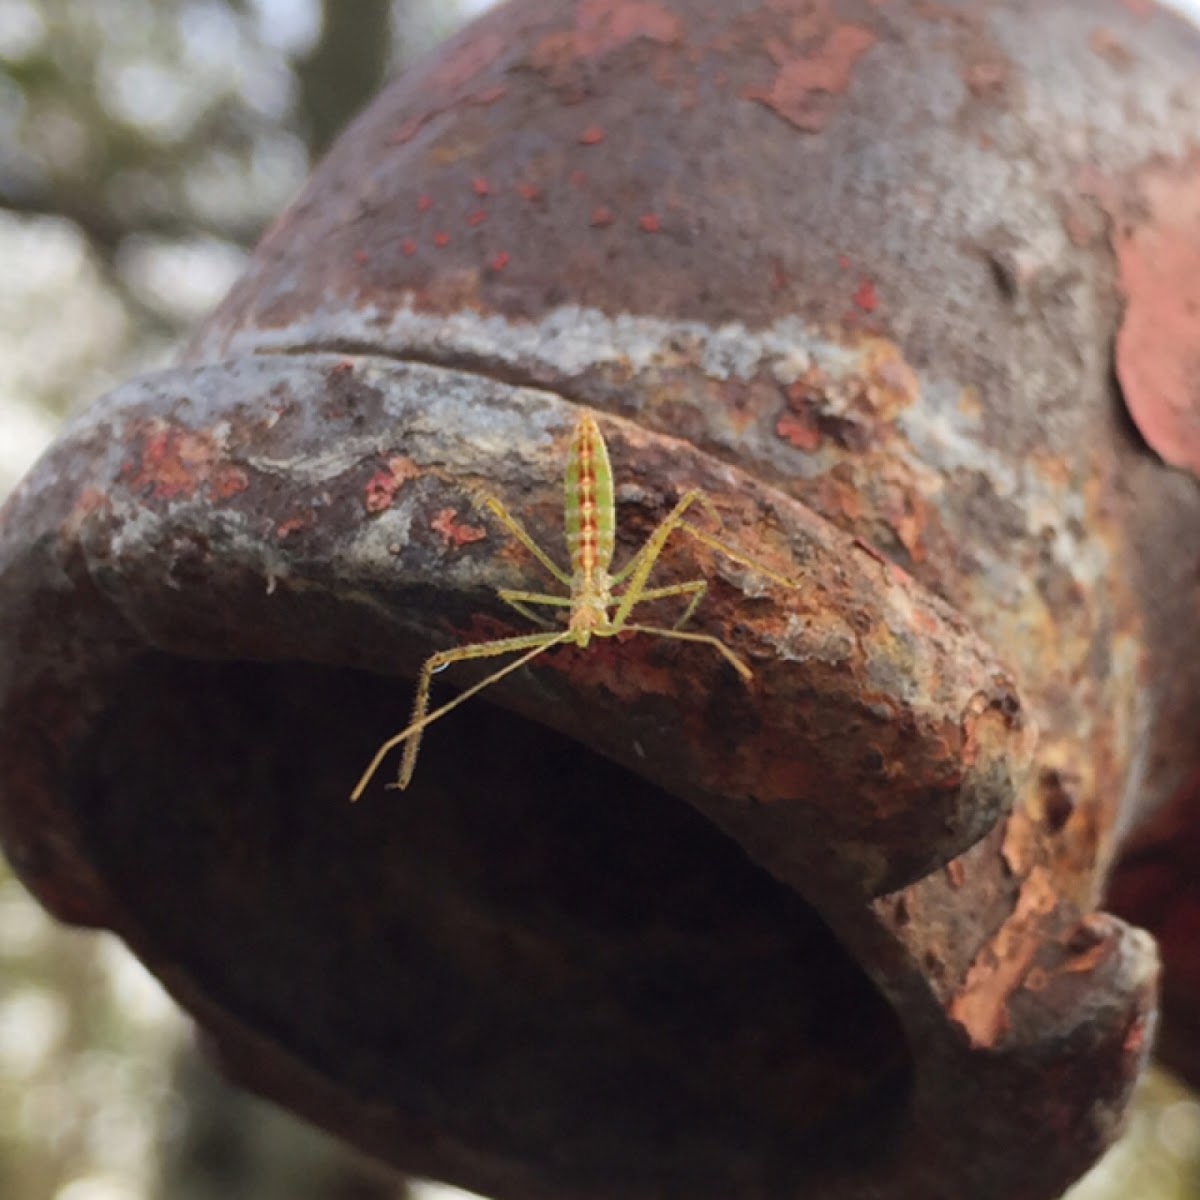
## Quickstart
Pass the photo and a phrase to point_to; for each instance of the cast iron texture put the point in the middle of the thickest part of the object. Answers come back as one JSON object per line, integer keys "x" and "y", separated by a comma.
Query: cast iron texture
{"x": 638, "y": 929}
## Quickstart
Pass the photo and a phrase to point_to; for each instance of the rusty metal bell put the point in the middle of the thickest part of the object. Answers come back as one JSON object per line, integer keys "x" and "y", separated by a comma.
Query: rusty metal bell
{"x": 640, "y": 928}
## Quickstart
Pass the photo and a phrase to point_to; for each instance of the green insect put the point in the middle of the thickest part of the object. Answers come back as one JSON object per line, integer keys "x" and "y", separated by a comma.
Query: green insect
{"x": 600, "y": 603}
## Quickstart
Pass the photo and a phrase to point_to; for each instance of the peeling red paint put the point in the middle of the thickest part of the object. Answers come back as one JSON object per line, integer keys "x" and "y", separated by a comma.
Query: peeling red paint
{"x": 177, "y": 464}
{"x": 1158, "y": 345}
{"x": 650, "y": 223}
{"x": 480, "y": 186}
{"x": 801, "y": 91}
{"x": 294, "y": 525}
{"x": 383, "y": 485}
{"x": 477, "y": 217}
{"x": 601, "y": 217}
{"x": 441, "y": 239}
{"x": 453, "y": 533}
{"x": 867, "y": 297}
{"x": 408, "y": 247}
{"x": 602, "y": 27}
{"x": 593, "y": 135}
{"x": 500, "y": 261}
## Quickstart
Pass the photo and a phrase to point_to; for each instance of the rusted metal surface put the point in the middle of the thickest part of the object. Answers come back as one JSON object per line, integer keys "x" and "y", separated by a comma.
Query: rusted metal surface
{"x": 855, "y": 270}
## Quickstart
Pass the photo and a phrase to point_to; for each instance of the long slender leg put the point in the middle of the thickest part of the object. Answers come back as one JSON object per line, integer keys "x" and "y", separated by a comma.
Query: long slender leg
{"x": 644, "y": 561}
{"x": 519, "y": 600}
{"x": 707, "y": 639}
{"x": 525, "y": 538}
{"x": 694, "y": 588}
{"x": 533, "y": 643}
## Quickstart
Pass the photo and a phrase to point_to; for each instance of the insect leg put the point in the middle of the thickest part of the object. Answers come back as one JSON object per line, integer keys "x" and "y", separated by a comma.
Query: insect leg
{"x": 707, "y": 639}
{"x": 523, "y": 536}
{"x": 695, "y": 588}
{"x": 519, "y": 600}
{"x": 533, "y": 643}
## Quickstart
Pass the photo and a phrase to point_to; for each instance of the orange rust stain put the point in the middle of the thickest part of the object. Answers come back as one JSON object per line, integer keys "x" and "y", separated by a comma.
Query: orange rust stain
{"x": 602, "y": 27}
{"x": 175, "y": 464}
{"x": 1158, "y": 344}
{"x": 867, "y": 296}
{"x": 383, "y": 485}
{"x": 802, "y": 88}
{"x": 593, "y": 135}
{"x": 999, "y": 969}
{"x": 649, "y": 223}
{"x": 453, "y": 533}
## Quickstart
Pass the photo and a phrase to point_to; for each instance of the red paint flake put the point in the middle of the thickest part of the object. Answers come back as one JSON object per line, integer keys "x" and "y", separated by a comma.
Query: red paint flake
{"x": 293, "y": 525}
{"x": 441, "y": 239}
{"x": 1158, "y": 344}
{"x": 424, "y": 202}
{"x": 529, "y": 191}
{"x": 603, "y": 26}
{"x": 601, "y": 217}
{"x": 593, "y": 135}
{"x": 500, "y": 261}
{"x": 454, "y": 534}
{"x": 361, "y": 257}
{"x": 798, "y": 431}
{"x": 383, "y": 485}
{"x": 649, "y": 222}
{"x": 176, "y": 464}
{"x": 480, "y": 186}
{"x": 866, "y": 296}
{"x": 577, "y": 179}
{"x": 803, "y": 87}
{"x": 408, "y": 247}
{"x": 477, "y": 217}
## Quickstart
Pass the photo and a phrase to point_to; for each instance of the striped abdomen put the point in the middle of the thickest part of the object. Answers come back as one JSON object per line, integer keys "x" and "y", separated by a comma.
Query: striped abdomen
{"x": 590, "y": 517}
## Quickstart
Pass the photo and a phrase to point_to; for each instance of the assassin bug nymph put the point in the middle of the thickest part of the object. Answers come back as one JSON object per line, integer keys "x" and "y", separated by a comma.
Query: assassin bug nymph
{"x": 600, "y": 603}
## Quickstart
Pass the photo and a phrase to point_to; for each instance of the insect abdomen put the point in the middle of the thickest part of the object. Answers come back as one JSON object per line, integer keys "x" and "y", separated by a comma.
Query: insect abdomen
{"x": 590, "y": 516}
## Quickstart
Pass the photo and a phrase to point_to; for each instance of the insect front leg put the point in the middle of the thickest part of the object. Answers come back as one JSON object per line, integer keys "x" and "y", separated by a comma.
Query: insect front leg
{"x": 514, "y": 527}
{"x": 533, "y": 643}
